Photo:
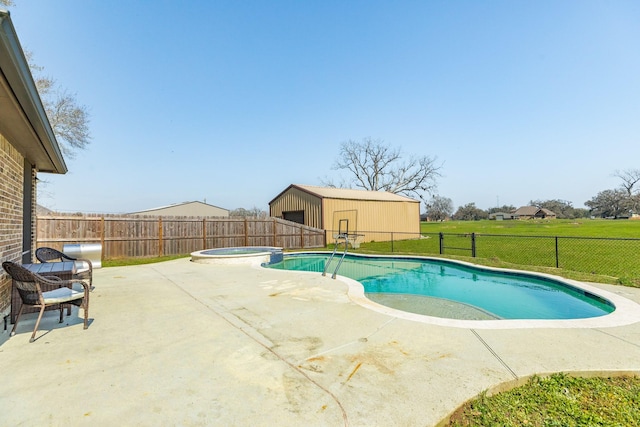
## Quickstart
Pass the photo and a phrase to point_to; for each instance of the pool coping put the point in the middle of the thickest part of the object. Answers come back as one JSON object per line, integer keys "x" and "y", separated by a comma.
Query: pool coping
{"x": 626, "y": 311}
{"x": 257, "y": 257}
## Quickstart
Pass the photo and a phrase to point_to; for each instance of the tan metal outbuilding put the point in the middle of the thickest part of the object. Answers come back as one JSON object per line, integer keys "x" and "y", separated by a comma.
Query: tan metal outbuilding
{"x": 376, "y": 215}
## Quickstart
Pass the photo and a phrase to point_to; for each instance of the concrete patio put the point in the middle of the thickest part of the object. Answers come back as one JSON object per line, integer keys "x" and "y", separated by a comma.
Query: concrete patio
{"x": 182, "y": 343}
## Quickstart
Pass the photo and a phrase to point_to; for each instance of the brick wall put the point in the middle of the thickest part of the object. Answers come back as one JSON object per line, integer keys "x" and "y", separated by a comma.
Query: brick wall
{"x": 11, "y": 212}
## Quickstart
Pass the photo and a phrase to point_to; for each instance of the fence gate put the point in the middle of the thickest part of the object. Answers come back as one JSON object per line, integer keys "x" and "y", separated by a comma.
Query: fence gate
{"x": 458, "y": 242}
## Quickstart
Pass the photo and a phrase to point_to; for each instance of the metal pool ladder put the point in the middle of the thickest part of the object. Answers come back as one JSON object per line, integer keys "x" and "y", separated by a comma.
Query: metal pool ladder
{"x": 345, "y": 237}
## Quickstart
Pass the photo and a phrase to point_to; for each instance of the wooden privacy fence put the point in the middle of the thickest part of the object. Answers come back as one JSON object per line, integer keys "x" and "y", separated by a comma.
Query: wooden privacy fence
{"x": 145, "y": 236}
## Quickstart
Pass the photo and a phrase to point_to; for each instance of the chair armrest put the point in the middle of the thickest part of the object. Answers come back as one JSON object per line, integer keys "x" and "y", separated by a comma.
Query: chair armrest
{"x": 64, "y": 256}
{"x": 84, "y": 284}
{"x": 88, "y": 261}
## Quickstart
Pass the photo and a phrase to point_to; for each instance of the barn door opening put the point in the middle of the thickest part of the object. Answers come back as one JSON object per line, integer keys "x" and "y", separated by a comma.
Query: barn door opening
{"x": 294, "y": 216}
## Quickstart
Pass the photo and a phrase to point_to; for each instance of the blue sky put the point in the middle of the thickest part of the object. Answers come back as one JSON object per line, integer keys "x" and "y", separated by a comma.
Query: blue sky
{"x": 232, "y": 101}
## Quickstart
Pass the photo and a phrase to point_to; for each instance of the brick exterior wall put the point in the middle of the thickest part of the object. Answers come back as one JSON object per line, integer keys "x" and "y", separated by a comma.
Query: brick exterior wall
{"x": 11, "y": 213}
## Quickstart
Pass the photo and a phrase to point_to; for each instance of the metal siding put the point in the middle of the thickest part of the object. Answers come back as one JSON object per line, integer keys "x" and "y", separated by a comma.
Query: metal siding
{"x": 383, "y": 217}
{"x": 296, "y": 200}
{"x": 400, "y": 218}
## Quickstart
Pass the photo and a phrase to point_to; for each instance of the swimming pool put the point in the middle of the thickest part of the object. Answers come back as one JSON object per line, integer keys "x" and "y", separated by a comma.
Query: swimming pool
{"x": 449, "y": 289}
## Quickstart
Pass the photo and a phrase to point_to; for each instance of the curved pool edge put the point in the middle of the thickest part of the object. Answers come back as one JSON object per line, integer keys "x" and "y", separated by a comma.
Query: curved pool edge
{"x": 626, "y": 311}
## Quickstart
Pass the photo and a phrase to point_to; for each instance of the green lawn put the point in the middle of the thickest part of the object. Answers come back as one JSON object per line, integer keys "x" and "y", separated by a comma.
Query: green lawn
{"x": 120, "y": 262}
{"x": 557, "y": 227}
{"x": 559, "y": 400}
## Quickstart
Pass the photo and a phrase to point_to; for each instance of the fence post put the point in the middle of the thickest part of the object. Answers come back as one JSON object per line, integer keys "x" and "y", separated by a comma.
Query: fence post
{"x": 441, "y": 243}
{"x": 204, "y": 233}
{"x": 246, "y": 232}
{"x": 473, "y": 245}
{"x": 102, "y": 232}
{"x": 160, "y": 242}
{"x": 557, "y": 255}
{"x": 275, "y": 232}
{"x": 392, "y": 242}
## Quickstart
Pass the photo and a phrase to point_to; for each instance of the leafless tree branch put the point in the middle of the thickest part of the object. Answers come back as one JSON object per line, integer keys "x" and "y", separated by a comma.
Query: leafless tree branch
{"x": 376, "y": 166}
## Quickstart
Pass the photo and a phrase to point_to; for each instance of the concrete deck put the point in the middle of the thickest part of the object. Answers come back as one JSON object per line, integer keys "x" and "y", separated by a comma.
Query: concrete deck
{"x": 181, "y": 343}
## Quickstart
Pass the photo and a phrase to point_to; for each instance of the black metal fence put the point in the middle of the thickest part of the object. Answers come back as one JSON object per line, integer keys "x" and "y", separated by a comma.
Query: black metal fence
{"x": 615, "y": 257}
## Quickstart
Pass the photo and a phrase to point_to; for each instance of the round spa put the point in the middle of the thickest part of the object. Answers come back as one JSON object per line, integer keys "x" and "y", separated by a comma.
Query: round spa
{"x": 252, "y": 255}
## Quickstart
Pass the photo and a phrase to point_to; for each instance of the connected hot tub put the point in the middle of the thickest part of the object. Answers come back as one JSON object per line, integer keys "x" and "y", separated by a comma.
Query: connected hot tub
{"x": 253, "y": 255}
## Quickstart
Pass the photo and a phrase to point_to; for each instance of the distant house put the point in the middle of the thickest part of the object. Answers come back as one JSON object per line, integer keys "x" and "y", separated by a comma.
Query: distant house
{"x": 186, "y": 209}
{"x": 500, "y": 216}
{"x": 533, "y": 212}
{"x": 27, "y": 147}
{"x": 338, "y": 210}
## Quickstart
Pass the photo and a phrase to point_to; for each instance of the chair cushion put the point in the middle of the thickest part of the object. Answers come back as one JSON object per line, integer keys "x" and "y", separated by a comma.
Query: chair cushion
{"x": 61, "y": 295}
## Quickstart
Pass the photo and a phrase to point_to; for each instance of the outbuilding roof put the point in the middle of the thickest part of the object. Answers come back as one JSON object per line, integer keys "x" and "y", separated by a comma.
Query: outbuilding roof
{"x": 195, "y": 204}
{"x": 349, "y": 194}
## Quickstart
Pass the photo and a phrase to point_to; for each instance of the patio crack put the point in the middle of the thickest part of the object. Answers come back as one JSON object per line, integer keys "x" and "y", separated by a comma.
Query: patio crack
{"x": 262, "y": 341}
{"x": 618, "y": 338}
{"x": 498, "y": 358}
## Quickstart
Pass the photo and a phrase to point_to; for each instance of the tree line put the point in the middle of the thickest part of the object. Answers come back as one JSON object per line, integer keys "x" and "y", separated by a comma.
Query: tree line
{"x": 441, "y": 208}
{"x": 621, "y": 202}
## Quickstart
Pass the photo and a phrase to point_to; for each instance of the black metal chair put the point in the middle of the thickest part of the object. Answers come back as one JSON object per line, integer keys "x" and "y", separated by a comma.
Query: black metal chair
{"x": 45, "y": 291}
{"x": 84, "y": 267}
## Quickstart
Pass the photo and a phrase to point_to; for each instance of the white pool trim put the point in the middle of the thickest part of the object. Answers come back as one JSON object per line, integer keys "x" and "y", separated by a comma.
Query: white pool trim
{"x": 250, "y": 258}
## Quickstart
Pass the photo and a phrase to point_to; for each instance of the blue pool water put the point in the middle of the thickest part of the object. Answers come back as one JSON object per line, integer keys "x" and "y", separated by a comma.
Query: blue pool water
{"x": 504, "y": 295}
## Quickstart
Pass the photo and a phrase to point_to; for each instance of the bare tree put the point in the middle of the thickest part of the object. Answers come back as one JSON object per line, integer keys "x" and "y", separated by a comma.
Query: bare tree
{"x": 376, "y": 166}
{"x": 629, "y": 177}
{"x": 69, "y": 120}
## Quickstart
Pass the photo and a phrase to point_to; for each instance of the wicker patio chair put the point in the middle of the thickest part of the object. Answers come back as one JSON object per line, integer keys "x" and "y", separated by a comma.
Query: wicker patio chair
{"x": 84, "y": 267}
{"x": 44, "y": 291}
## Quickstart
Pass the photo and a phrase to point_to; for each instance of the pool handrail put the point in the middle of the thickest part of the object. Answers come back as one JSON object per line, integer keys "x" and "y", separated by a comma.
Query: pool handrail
{"x": 344, "y": 236}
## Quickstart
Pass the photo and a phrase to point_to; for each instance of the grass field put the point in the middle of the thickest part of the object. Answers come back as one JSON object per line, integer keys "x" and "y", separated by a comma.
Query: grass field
{"x": 558, "y": 400}
{"x": 557, "y": 227}
{"x": 589, "y": 250}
